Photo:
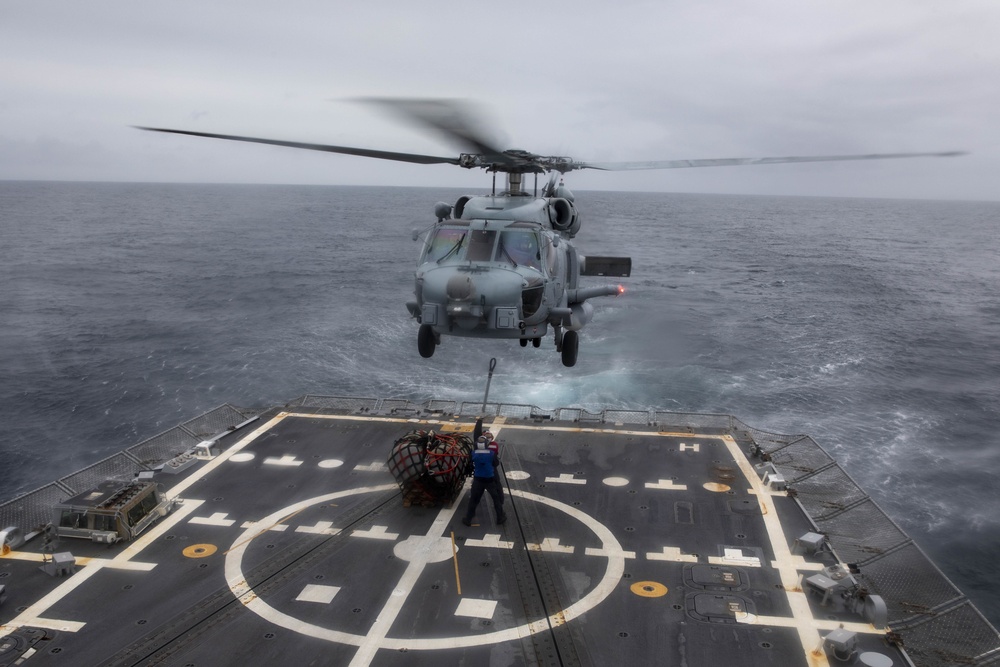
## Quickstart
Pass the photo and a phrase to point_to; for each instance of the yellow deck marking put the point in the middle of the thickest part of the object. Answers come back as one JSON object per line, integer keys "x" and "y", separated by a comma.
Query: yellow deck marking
{"x": 715, "y": 487}
{"x": 454, "y": 555}
{"x": 358, "y": 418}
{"x": 453, "y": 427}
{"x": 613, "y": 431}
{"x": 499, "y": 422}
{"x": 200, "y": 550}
{"x": 648, "y": 589}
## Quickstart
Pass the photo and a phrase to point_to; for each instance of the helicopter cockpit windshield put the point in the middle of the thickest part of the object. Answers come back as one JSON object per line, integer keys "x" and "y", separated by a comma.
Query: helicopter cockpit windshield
{"x": 514, "y": 247}
{"x": 519, "y": 248}
{"x": 481, "y": 245}
{"x": 446, "y": 243}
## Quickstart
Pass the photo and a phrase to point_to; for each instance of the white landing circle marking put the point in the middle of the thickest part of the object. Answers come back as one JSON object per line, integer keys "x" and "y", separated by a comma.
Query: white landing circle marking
{"x": 615, "y": 481}
{"x": 518, "y": 475}
{"x": 246, "y": 595}
{"x": 242, "y": 457}
{"x": 329, "y": 463}
{"x": 476, "y": 608}
{"x": 425, "y": 548}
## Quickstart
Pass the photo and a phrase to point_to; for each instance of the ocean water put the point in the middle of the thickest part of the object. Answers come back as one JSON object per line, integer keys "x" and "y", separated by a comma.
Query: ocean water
{"x": 872, "y": 325}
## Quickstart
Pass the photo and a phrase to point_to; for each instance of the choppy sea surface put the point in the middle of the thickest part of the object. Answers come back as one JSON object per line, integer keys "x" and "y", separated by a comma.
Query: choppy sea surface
{"x": 872, "y": 325}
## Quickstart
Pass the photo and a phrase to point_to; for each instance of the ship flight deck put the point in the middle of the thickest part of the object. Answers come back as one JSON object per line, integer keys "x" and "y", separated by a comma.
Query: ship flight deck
{"x": 629, "y": 543}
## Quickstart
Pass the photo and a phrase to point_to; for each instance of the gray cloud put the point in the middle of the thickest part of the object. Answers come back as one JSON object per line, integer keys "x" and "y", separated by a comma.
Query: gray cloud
{"x": 599, "y": 81}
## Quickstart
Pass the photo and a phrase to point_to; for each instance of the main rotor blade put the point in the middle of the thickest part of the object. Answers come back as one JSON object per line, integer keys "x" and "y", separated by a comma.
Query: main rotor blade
{"x": 454, "y": 119}
{"x": 347, "y": 150}
{"x": 743, "y": 161}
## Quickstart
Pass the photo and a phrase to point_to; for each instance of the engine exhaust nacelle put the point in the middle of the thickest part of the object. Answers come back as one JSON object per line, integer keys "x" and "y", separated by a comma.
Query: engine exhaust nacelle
{"x": 459, "y": 209}
{"x": 564, "y": 216}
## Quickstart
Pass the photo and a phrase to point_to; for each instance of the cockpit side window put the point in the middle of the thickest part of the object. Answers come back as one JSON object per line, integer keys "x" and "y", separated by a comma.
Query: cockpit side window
{"x": 445, "y": 243}
{"x": 520, "y": 248}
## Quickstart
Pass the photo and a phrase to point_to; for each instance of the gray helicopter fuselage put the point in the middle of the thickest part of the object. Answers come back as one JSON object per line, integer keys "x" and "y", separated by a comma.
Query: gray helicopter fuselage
{"x": 502, "y": 269}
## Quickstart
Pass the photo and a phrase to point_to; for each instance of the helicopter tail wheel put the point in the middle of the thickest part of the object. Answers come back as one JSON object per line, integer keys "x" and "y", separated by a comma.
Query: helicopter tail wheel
{"x": 426, "y": 341}
{"x": 524, "y": 342}
{"x": 570, "y": 346}
{"x": 537, "y": 342}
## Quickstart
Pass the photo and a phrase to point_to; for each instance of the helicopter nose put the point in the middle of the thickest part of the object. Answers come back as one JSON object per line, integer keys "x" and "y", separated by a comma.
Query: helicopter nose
{"x": 460, "y": 288}
{"x": 473, "y": 299}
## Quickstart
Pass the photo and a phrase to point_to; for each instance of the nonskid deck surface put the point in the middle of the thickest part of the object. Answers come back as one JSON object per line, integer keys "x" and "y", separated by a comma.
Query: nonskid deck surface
{"x": 624, "y": 544}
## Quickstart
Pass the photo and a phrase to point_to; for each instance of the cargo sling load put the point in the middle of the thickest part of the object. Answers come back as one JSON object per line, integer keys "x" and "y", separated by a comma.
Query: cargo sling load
{"x": 430, "y": 467}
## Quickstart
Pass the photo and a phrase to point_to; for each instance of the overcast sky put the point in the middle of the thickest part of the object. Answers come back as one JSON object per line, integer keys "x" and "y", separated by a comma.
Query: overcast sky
{"x": 597, "y": 81}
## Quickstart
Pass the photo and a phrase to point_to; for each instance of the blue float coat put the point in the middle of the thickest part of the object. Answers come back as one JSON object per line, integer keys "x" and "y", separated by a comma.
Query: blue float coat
{"x": 484, "y": 461}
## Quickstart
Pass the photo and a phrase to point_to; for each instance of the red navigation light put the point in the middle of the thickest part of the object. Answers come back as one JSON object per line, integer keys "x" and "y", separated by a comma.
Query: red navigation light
{"x": 621, "y": 290}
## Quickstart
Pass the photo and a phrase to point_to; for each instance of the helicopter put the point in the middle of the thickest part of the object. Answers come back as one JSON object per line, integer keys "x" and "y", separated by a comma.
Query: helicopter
{"x": 504, "y": 265}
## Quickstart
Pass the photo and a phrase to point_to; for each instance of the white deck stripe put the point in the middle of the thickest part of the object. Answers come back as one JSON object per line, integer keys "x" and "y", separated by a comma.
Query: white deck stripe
{"x": 604, "y": 553}
{"x": 550, "y": 545}
{"x": 32, "y": 616}
{"x": 390, "y": 611}
{"x": 565, "y": 478}
{"x": 217, "y": 519}
{"x": 666, "y": 485}
{"x": 671, "y": 554}
{"x": 490, "y": 541}
{"x": 84, "y": 561}
{"x": 821, "y": 623}
{"x": 56, "y": 624}
{"x": 225, "y": 456}
{"x": 802, "y": 619}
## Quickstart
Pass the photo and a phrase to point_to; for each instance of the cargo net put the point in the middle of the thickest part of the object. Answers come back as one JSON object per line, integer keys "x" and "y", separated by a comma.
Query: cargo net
{"x": 430, "y": 467}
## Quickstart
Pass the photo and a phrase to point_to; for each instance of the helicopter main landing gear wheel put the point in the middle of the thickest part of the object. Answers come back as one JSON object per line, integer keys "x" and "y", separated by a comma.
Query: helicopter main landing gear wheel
{"x": 537, "y": 342}
{"x": 426, "y": 341}
{"x": 570, "y": 346}
{"x": 524, "y": 342}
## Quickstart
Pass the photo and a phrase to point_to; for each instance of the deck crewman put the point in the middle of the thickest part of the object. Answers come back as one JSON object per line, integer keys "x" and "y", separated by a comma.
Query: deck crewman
{"x": 484, "y": 478}
{"x": 492, "y": 445}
